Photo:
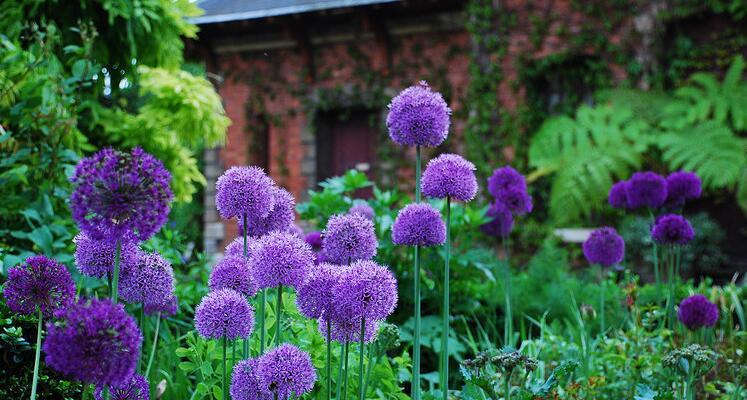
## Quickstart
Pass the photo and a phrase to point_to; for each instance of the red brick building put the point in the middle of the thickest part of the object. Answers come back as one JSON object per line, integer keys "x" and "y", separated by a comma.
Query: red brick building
{"x": 306, "y": 83}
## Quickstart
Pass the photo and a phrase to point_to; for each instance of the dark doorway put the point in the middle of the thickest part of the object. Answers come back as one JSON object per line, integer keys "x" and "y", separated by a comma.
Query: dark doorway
{"x": 346, "y": 139}
{"x": 259, "y": 142}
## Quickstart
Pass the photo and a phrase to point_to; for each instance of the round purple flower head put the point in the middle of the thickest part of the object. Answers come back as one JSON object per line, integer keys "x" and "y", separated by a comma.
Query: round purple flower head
{"x": 166, "y": 307}
{"x": 39, "y": 282}
{"x": 672, "y": 229}
{"x": 418, "y": 224}
{"x": 505, "y": 179}
{"x": 366, "y": 290}
{"x": 245, "y": 384}
{"x": 502, "y": 221}
{"x": 279, "y": 219}
{"x": 618, "y": 196}
{"x": 348, "y": 329}
{"x": 95, "y": 258}
{"x": 280, "y": 258}
{"x": 244, "y": 190}
{"x": 418, "y": 116}
{"x": 646, "y": 189}
{"x": 348, "y": 238}
{"x": 315, "y": 297}
{"x": 450, "y": 175}
{"x": 149, "y": 281}
{"x": 96, "y": 342}
{"x": 118, "y": 194}
{"x": 364, "y": 210}
{"x": 286, "y": 372}
{"x": 516, "y": 200}
{"x": 233, "y": 273}
{"x": 314, "y": 239}
{"x": 681, "y": 186}
{"x": 236, "y": 247}
{"x": 604, "y": 247}
{"x": 224, "y": 313}
{"x": 136, "y": 388}
{"x": 697, "y": 311}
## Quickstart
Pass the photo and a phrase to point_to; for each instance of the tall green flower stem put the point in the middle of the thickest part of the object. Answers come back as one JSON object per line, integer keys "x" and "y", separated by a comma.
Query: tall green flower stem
{"x": 673, "y": 258}
{"x": 372, "y": 360}
{"x": 141, "y": 316}
{"x": 35, "y": 380}
{"x": 153, "y": 349}
{"x": 601, "y": 297}
{"x": 278, "y": 315}
{"x": 416, "y": 288}
{"x": 115, "y": 271}
{"x": 345, "y": 378}
{"x": 225, "y": 368}
{"x": 657, "y": 275}
{"x": 445, "y": 317}
{"x": 508, "y": 323}
{"x": 361, "y": 388}
{"x": 246, "y": 255}
{"x": 343, "y": 355}
{"x": 329, "y": 358}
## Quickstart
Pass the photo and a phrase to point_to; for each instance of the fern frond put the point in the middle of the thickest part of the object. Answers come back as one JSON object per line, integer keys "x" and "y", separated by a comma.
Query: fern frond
{"x": 709, "y": 149}
{"x": 647, "y": 106}
{"x": 587, "y": 154}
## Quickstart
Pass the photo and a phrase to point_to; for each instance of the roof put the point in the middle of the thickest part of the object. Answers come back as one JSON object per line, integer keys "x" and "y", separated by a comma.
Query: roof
{"x": 237, "y": 10}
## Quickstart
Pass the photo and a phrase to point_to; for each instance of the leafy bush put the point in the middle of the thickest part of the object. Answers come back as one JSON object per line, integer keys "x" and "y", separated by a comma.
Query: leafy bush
{"x": 699, "y": 128}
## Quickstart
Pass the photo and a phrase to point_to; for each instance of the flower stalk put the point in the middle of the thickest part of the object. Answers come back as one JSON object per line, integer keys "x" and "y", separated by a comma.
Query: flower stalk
{"x": 153, "y": 349}
{"x": 361, "y": 387}
{"x": 37, "y": 356}
{"x": 445, "y": 317}
{"x": 279, "y": 314}
{"x": 508, "y": 324}
{"x": 416, "y": 289}
{"x": 115, "y": 271}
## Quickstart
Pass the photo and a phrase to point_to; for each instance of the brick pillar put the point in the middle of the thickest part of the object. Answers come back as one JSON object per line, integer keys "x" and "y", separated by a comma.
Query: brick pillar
{"x": 213, "y": 232}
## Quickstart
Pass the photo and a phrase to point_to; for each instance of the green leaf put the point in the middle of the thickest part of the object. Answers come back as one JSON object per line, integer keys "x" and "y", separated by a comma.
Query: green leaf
{"x": 42, "y": 238}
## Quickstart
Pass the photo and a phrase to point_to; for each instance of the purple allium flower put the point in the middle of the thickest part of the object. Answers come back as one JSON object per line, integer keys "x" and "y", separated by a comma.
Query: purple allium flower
{"x": 39, "y": 282}
{"x": 236, "y": 247}
{"x": 286, "y": 371}
{"x": 618, "y": 196}
{"x": 314, "y": 239}
{"x": 314, "y": 297}
{"x": 365, "y": 289}
{"x": 604, "y": 247}
{"x": 348, "y": 329}
{"x": 118, "y": 194}
{"x": 136, "y": 388}
{"x": 233, "y": 273}
{"x": 502, "y": 221}
{"x": 697, "y": 311}
{"x": 166, "y": 307}
{"x": 672, "y": 229}
{"x": 224, "y": 312}
{"x": 95, "y": 258}
{"x": 279, "y": 219}
{"x": 646, "y": 189}
{"x": 681, "y": 186}
{"x": 150, "y": 280}
{"x": 450, "y": 175}
{"x": 95, "y": 342}
{"x": 348, "y": 238}
{"x": 418, "y": 224}
{"x": 418, "y": 116}
{"x": 295, "y": 229}
{"x": 245, "y": 384}
{"x": 364, "y": 210}
{"x": 280, "y": 258}
{"x": 505, "y": 179}
{"x": 516, "y": 200}
{"x": 244, "y": 190}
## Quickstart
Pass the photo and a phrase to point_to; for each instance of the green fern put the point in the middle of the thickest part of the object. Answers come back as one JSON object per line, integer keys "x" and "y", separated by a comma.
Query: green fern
{"x": 711, "y": 149}
{"x": 587, "y": 154}
{"x": 707, "y": 99}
